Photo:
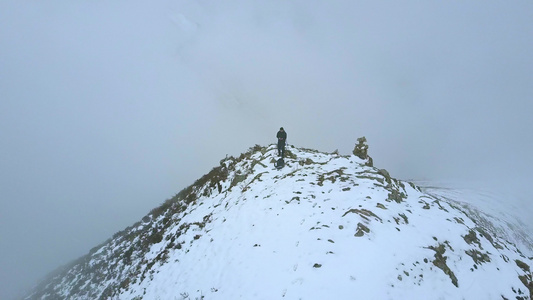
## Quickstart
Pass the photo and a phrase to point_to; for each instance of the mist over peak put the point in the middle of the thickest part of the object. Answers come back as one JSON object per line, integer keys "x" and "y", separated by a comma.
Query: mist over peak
{"x": 108, "y": 107}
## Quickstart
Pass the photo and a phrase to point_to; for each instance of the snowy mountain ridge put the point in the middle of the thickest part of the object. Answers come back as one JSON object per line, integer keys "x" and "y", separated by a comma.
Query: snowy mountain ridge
{"x": 326, "y": 226}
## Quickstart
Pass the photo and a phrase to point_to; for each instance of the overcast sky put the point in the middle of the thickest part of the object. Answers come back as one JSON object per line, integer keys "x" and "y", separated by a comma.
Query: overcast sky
{"x": 108, "y": 108}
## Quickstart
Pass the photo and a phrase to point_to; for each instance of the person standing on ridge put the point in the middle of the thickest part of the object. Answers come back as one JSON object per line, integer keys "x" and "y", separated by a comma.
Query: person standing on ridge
{"x": 282, "y": 137}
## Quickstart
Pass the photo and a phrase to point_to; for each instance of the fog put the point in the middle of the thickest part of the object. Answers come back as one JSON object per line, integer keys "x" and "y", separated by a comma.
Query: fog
{"x": 108, "y": 108}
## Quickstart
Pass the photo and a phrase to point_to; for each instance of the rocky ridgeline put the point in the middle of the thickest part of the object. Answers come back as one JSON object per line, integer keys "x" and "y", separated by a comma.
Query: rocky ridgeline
{"x": 341, "y": 200}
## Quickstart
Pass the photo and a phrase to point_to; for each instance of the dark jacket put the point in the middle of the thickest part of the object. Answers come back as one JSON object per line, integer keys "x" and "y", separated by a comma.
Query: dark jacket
{"x": 282, "y": 136}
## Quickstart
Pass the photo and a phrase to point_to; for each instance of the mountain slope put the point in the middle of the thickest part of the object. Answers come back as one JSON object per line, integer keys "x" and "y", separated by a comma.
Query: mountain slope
{"x": 324, "y": 227}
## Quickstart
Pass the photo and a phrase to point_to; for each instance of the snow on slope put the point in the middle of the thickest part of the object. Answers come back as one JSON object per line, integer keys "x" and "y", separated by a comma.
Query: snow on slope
{"x": 490, "y": 208}
{"x": 324, "y": 227}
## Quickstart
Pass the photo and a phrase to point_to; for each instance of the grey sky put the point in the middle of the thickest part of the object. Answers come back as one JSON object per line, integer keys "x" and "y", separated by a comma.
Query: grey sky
{"x": 107, "y": 108}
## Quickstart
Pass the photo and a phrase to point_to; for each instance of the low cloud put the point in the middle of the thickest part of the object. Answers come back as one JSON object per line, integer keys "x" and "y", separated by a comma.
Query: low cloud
{"x": 110, "y": 108}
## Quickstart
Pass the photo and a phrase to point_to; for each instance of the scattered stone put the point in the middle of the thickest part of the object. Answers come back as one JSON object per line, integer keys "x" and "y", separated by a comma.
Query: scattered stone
{"x": 522, "y": 265}
{"x": 379, "y": 205}
{"x": 364, "y": 213}
{"x": 385, "y": 174}
{"x": 471, "y": 238}
{"x": 440, "y": 262}
{"x": 361, "y": 229}
{"x": 477, "y": 256}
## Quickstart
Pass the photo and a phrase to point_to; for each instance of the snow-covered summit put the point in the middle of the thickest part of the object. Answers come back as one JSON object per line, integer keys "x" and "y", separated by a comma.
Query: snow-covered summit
{"x": 326, "y": 226}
